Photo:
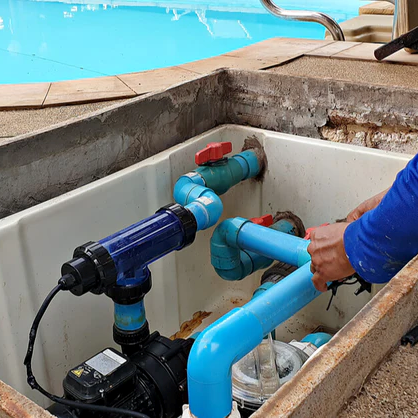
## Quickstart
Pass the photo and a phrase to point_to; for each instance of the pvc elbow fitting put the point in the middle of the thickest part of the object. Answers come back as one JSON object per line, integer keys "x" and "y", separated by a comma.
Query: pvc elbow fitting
{"x": 207, "y": 208}
{"x": 211, "y": 358}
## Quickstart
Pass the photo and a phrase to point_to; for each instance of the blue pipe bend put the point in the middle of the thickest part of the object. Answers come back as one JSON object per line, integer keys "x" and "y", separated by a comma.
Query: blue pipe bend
{"x": 318, "y": 339}
{"x": 198, "y": 190}
{"x": 211, "y": 358}
{"x": 234, "y": 335}
{"x": 230, "y": 262}
{"x": 239, "y": 247}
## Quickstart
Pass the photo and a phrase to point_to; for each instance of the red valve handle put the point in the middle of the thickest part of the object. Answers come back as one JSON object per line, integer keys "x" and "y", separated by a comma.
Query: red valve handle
{"x": 266, "y": 220}
{"x": 214, "y": 151}
{"x": 309, "y": 230}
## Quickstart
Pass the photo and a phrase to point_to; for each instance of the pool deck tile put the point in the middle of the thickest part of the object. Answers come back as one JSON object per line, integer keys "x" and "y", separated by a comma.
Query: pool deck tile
{"x": 279, "y": 49}
{"x": 270, "y": 53}
{"x": 404, "y": 57}
{"x": 362, "y": 51}
{"x": 331, "y": 49}
{"x": 154, "y": 80}
{"x": 225, "y": 61}
{"x": 23, "y": 95}
{"x": 88, "y": 89}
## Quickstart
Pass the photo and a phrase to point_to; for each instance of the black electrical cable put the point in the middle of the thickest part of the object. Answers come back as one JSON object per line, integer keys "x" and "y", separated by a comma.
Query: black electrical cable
{"x": 335, "y": 285}
{"x": 63, "y": 284}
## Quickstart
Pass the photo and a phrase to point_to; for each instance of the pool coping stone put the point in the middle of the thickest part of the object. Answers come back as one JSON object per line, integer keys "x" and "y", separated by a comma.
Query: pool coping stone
{"x": 263, "y": 55}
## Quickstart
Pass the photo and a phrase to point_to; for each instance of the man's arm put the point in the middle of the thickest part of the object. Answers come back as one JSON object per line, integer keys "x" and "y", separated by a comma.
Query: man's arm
{"x": 384, "y": 239}
{"x": 378, "y": 244}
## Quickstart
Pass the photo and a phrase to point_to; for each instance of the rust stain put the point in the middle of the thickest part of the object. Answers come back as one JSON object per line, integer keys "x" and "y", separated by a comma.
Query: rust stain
{"x": 236, "y": 301}
{"x": 188, "y": 327}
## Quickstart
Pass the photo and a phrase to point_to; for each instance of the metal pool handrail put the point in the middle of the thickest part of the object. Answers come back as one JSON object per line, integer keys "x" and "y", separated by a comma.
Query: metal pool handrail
{"x": 305, "y": 16}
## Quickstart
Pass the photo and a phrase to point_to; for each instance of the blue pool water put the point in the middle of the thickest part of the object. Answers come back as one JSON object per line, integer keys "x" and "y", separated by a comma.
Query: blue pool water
{"x": 53, "y": 40}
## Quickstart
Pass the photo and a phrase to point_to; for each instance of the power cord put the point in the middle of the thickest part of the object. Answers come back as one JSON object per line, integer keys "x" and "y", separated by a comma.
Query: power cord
{"x": 65, "y": 283}
{"x": 349, "y": 281}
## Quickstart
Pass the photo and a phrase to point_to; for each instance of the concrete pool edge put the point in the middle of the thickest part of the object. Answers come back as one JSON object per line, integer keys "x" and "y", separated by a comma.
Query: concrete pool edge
{"x": 269, "y": 53}
{"x": 254, "y": 57}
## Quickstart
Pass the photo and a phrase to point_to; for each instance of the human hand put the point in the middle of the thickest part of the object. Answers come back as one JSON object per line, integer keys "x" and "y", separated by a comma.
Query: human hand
{"x": 364, "y": 207}
{"x": 329, "y": 261}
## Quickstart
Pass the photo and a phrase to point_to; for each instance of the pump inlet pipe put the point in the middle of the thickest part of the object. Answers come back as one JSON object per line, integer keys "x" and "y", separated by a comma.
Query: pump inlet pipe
{"x": 306, "y": 16}
{"x": 200, "y": 189}
{"x": 118, "y": 264}
{"x": 234, "y": 335}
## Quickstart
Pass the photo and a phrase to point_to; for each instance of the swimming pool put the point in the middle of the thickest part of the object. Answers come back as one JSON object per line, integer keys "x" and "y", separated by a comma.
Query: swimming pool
{"x": 42, "y": 40}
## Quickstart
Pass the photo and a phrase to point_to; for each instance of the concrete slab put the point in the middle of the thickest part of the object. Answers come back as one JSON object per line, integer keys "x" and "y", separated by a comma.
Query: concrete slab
{"x": 154, "y": 80}
{"x": 23, "y": 95}
{"x": 86, "y": 90}
{"x": 391, "y": 391}
{"x": 19, "y": 122}
{"x": 370, "y": 73}
{"x": 331, "y": 49}
{"x": 226, "y": 61}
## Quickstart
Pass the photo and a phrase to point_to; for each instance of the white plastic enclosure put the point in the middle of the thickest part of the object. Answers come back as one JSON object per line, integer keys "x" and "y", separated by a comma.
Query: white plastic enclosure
{"x": 318, "y": 180}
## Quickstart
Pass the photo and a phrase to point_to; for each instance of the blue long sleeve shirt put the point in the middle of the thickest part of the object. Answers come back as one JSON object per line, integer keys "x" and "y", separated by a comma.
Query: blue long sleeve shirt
{"x": 383, "y": 240}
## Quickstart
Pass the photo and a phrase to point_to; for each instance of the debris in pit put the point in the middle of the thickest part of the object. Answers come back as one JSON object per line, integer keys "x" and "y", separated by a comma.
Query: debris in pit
{"x": 188, "y": 327}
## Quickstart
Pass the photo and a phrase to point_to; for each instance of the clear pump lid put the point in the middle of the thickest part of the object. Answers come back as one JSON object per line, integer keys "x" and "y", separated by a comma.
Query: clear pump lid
{"x": 258, "y": 375}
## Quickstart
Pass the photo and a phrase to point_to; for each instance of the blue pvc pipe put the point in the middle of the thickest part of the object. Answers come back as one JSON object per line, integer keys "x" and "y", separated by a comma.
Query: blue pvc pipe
{"x": 198, "y": 190}
{"x": 233, "y": 263}
{"x": 207, "y": 207}
{"x": 130, "y": 317}
{"x": 272, "y": 244}
{"x": 248, "y": 264}
{"x": 234, "y": 335}
{"x": 318, "y": 339}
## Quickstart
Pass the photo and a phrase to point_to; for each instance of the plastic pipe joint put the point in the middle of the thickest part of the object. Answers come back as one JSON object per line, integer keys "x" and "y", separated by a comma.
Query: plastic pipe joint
{"x": 240, "y": 247}
{"x": 199, "y": 189}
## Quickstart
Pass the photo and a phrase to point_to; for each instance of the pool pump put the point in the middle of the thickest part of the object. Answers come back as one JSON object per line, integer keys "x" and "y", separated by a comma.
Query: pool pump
{"x": 151, "y": 380}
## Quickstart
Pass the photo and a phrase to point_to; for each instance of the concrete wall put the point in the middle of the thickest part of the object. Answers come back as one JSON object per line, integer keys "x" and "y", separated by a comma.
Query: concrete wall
{"x": 340, "y": 111}
{"x": 37, "y": 167}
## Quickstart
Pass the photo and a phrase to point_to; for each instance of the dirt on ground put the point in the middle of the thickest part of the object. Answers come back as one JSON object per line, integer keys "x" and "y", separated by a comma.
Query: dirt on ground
{"x": 392, "y": 391}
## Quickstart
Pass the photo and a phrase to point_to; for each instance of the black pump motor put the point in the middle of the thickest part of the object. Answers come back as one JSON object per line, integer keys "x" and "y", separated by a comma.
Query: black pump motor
{"x": 151, "y": 381}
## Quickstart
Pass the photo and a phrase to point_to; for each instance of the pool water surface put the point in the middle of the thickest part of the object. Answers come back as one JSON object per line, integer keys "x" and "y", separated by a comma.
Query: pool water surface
{"x": 52, "y": 41}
